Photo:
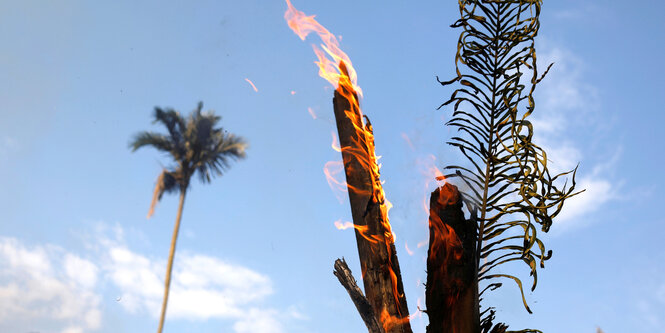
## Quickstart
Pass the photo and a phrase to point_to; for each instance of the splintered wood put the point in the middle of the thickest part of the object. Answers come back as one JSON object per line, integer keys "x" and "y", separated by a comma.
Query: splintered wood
{"x": 378, "y": 259}
{"x": 345, "y": 277}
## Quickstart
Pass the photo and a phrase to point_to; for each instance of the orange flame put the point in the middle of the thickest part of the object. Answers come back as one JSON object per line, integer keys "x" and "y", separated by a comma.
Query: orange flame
{"x": 303, "y": 25}
{"x": 336, "y": 67}
{"x": 445, "y": 236}
{"x": 335, "y": 145}
{"x": 433, "y": 174}
{"x": 362, "y": 229}
{"x": 388, "y": 321}
{"x": 252, "y": 84}
{"x": 332, "y": 169}
{"x": 343, "y": 226}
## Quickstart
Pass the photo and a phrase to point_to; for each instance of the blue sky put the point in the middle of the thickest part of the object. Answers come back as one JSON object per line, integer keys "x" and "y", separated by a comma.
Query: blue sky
{"x": 257, "y": 245}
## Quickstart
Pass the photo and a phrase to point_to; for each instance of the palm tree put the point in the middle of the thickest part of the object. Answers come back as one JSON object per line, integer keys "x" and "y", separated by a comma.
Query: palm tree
{"x": 195, "y": 146}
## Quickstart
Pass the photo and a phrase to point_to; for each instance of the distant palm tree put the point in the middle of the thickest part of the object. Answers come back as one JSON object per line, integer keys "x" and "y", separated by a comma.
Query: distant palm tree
{"x": 195, "y": 146}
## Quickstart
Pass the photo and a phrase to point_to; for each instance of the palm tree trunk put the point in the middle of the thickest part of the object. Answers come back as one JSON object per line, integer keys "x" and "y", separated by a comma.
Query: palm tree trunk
{"x": 378, "y": 258}
{"x": 169, "y": 267}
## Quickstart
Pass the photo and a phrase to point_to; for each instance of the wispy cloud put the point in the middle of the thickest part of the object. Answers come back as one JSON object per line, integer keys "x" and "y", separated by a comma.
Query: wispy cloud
{"x": 582, "y": 11}
{"x": 566, "y": 105}
{"x": 258, "y": 320}
{"x": 46, "y": 288}
{"x": 203, "y": 287}
{"x": 8, "y": 145}
{"x": 649, "y": 300}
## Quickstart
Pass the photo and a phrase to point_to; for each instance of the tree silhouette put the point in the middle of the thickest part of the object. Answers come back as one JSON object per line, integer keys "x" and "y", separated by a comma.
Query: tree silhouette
{"x": 196, "y": 146}
{"x": 509, "y": 189}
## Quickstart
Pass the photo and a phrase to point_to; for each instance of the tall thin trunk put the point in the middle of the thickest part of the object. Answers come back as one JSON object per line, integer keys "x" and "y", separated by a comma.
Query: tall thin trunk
{"x": 378, "y": 258}
{"x": 169, "y": 267}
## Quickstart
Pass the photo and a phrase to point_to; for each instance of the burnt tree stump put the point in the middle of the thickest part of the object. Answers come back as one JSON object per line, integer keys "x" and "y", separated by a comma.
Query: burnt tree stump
{"x": 452, "y": 276}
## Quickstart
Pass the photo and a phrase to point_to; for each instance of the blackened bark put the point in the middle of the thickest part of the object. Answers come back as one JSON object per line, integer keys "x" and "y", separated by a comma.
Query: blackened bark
{"x": 345, "y": 277}
{"x": 378, "y": 259}
{"x": 452, "y": 277}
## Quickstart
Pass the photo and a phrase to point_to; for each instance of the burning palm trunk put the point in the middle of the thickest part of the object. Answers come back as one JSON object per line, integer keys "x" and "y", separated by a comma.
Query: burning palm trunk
{"x": 369, "y": 208}
{"x": 452, "y": 278}
{"x": 378, "y": 258}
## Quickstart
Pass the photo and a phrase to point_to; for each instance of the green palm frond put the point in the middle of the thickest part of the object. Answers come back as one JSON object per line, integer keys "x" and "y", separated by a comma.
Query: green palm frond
{"x": 507, "y": 177}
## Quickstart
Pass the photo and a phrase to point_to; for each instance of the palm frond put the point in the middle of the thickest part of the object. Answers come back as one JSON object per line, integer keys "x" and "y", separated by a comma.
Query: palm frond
{"x": 211, "y": 149}
{"x": 507, "y": 175}
{"x": 175, "y": 125}
{"x": 166, "y": 183}
{"x": 225, "y": 148}
{"x": 196, "y": 144}
{"x": 156, "y": 140}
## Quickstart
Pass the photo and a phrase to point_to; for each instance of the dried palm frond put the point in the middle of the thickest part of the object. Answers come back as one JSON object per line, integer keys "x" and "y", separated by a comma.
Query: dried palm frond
{"x": 509, "y": 184}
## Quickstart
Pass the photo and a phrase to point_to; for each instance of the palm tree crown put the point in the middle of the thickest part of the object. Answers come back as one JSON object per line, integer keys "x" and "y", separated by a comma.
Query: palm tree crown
{"x": 195, "y": 145}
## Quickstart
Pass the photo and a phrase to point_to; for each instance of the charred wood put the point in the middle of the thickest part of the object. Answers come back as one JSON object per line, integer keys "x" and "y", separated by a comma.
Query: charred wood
{"x": 452, "y": 277}
{"x": 378, "y": 259}
{"x": 345, "y": 277}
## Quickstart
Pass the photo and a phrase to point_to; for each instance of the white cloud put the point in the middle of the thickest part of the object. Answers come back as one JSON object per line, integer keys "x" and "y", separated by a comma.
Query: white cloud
{"x": 564, "y": 88}
{"x": 41, "y": 290}
{"x": 582, "y": 11}
{"x": 48, "y": 289}
{"x": 257, "y": 320}
{"x": 80, "y": 270}
{"x": 205, "y": 287}
{"x": 295, "y": 313}
{"x": 136, "y": 277}
{"x": 72, "y": 330}
{"x": 597, "y": 192}
{"x": 565, "y": 103}
{"x": 202, "y": 287}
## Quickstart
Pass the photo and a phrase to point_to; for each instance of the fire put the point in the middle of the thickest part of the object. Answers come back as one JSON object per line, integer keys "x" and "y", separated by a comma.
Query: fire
{"x": 332, "y": 169}
{"x": 388, "y": 321}
{"x": 303, "y": 25}
{"x": 343, "y": 226}
{"x": 362, "y": 229}
{"x": 252, "y": 84}
{"x": 335, "y": 145}
{"x": 340, "y": 73}
{"x": 432, "y": 174}
{"x": 445, "y": 236}
{"x": 336, "y": 67}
